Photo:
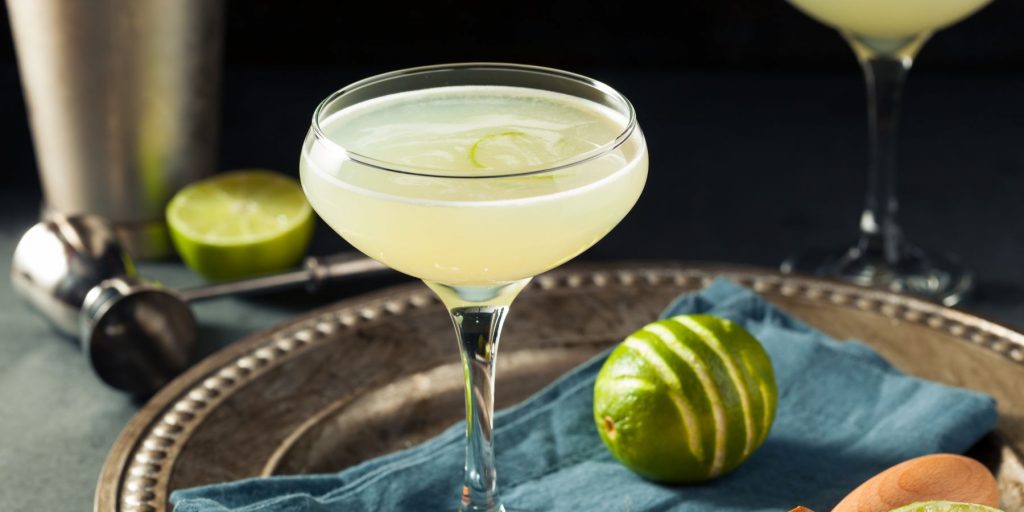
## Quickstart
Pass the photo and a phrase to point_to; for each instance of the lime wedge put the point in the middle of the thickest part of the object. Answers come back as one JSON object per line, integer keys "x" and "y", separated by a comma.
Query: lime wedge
{"x": 945, "y": 506}
{"x": 240, "y": 224}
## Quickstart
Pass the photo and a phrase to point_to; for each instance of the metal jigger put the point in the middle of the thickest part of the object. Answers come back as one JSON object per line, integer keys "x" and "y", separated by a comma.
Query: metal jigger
{"x": 136, "y": 337}
{"x": 137, "y": 334}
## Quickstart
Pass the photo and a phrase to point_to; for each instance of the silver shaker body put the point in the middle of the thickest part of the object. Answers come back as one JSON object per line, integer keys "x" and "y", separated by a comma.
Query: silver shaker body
{"x": 122, "y": 98}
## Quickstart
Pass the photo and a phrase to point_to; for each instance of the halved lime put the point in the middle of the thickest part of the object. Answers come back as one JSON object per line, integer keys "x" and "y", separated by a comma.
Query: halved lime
{"x": 944, "y": 506}
{"x": 240, "y": 224}
{"x": 685, "y": 399}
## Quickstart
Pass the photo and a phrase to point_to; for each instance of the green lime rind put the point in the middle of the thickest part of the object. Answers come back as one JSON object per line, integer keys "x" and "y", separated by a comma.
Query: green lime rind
{"x": 699, "y": 405}
{"x": 752, "y": 367}
{"x": 726, "y": 393}
{"x": 715, "y": 392}
{"x": 945, "y": 506}
{"x": 757, "y": 363}
{"x": 642, "y": 405}
{"x": 240, "y": 224}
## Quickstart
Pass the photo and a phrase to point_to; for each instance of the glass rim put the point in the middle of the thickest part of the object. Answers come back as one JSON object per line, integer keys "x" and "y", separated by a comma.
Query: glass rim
{"x": 384, "y": 165}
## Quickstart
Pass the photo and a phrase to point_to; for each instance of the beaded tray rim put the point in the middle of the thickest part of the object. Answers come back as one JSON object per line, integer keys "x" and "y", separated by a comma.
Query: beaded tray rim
{"x": 136, "y": 472}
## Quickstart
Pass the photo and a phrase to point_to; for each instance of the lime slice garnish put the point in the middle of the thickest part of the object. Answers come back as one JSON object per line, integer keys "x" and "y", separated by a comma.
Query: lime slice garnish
{"x": 514, "y": 151}
{"x": 496, "y": 149}
{"x": 945, "y": 506}
{"x": 240, "y": 223}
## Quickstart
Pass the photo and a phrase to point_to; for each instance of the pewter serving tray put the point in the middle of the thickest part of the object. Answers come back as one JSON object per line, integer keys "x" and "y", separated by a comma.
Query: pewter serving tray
{"x": 379, "y": 372}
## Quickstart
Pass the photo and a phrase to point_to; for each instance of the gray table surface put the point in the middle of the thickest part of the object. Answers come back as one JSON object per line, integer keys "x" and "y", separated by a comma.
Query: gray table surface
{"x": 744, "y": 169}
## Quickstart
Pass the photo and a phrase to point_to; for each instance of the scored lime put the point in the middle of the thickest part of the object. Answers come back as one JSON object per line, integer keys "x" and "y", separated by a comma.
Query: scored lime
{"x": 685, "y": 399}
{"x": 945, "y": 506}
{"x": 240, "y": 224}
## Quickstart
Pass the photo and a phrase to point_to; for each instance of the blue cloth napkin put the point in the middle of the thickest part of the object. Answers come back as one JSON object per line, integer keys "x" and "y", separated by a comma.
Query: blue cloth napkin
{"x": 844, "y": 414}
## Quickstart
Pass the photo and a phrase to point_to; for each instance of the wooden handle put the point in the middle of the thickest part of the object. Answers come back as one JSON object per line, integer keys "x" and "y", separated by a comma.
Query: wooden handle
{"x": 932, "y": 477}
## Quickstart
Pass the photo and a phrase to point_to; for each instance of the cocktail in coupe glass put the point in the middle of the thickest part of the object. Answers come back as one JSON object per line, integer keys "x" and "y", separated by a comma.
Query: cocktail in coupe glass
{"x": 474, "y": 178}
{"x": 886, "y": 36}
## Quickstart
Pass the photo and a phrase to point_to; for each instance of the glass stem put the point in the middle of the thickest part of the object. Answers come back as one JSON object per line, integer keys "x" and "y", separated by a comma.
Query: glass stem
{"x": 879, "y": 230}
{"x": 885, "y": 74}
{"x": 478, "y": 315}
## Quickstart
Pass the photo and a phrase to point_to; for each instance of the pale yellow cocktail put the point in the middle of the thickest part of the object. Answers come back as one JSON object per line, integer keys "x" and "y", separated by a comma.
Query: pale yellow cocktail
{"x": 435, "y": 221}
{"x": 889, "y": 19}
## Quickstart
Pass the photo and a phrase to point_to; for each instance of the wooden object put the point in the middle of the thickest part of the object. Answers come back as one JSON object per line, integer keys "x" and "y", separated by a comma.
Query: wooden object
{"x": 943, "y": 476}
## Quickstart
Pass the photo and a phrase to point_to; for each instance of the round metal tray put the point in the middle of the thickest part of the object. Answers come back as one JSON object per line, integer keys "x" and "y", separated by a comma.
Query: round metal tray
{"x": 380, "y": 372}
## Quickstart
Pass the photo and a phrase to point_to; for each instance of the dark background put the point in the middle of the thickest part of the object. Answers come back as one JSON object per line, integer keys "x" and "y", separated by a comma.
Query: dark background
{"x": 735, "y": 35}
{"x": 761, "y": 35}
{"x": 754, "y": 115}
{"x": 289, "y": 55}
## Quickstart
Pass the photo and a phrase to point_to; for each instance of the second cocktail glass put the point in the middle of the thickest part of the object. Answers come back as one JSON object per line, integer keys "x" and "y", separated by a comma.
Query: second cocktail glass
{"x": 474, "y": 178}
{"x": 886, "y": 36}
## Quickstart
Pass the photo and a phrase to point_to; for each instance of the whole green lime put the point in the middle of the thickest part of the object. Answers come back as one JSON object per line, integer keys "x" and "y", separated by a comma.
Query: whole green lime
{"x": 685, "y": 399}
{"x": 241, "y": 223}
{"x": 945, "y": 506}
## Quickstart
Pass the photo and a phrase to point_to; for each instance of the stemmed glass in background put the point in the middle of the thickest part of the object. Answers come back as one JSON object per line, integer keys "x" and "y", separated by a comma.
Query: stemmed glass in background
{"x": 886, "y": 36}
{"x": 474, "y": 178}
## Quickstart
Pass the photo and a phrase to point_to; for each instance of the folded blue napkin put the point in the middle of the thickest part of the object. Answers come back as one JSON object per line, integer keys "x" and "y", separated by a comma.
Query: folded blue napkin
{"x": 844, "y": 414}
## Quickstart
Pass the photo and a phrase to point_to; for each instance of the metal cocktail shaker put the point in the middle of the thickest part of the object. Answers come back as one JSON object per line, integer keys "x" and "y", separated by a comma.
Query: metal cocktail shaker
{"x": 122, "y": 98}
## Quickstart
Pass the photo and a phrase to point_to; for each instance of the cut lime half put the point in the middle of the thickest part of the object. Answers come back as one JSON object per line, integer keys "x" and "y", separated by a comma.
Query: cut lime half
{"x": 240, "y": 224}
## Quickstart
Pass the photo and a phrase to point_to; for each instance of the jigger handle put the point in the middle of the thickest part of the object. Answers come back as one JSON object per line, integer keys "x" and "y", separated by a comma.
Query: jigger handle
{"x": 314, "y": 272}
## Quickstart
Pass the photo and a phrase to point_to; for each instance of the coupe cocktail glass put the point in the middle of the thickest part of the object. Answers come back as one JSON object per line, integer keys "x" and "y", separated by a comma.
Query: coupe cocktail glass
{"x": 886, "y": 36}
{"x": 474, "y": 178}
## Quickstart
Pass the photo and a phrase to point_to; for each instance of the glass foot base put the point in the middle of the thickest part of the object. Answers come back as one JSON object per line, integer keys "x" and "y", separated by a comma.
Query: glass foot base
{"x": 470, "y": 508}
{"x": 930, "y": 276}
